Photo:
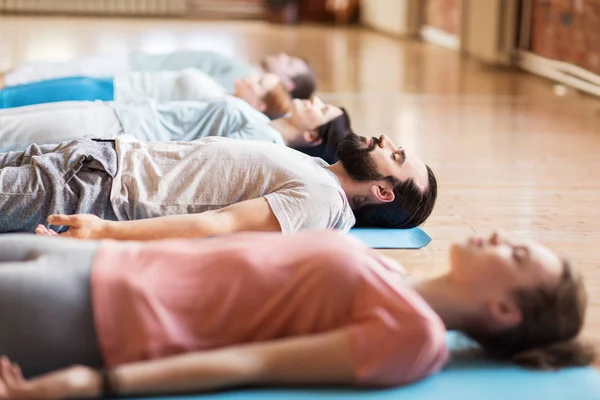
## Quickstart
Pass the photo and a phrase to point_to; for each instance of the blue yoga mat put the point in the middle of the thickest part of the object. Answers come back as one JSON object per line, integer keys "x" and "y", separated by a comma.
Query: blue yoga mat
{"x": 465, "y": 378}
{"x": 413, "y": 238}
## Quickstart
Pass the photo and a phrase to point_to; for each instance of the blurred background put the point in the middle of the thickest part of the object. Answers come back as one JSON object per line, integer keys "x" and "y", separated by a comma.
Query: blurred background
{"x": 558, "y": 39}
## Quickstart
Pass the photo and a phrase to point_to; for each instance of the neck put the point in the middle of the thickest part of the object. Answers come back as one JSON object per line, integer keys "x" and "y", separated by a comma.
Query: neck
{"x": 356, "y": 192}
{"x": 449, "y": 300}
{"x": 287, "y": 130}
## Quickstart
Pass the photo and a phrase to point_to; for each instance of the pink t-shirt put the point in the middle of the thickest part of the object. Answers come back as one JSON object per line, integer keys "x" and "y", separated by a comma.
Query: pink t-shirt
{"x": 157, "y": 299}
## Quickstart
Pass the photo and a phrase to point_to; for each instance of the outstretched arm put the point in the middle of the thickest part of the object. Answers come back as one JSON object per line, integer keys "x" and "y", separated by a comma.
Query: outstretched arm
{"x": 320, "y": 359}
{"x": 249, "y": 215}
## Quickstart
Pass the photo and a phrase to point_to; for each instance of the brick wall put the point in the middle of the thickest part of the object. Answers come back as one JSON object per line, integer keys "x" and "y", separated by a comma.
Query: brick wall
{"x": 567, "y": 30}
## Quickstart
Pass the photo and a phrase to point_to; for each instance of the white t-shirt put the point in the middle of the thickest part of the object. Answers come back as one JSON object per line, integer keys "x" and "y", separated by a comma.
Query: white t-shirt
{"x": 156, "y": 179}
{"x": 222, "y": 68}
{"x": 189, "y": 84}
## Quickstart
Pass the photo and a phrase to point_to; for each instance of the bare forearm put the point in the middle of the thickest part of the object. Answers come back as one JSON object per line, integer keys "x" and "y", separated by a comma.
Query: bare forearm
{"x": 249, "y": 215}
{"x": 310, "y": 360}
{"x": 174, "y": 226}
{"x": 323, "y": 358}
{"x": 196, "y": 372}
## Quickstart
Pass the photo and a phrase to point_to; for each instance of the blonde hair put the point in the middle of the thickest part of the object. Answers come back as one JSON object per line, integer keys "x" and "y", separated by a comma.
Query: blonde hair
{"x": 547, "y": 336}
{"x": 278, "y": 102}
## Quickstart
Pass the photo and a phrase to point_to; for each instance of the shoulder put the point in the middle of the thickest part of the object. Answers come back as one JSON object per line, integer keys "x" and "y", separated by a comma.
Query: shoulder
{"x": 332, "y": 195}
{"x": 317, "y": 188}
{"x": 391, "y": 352}
{"x": 322, "y": 187}
{"x": 429, "y": 337}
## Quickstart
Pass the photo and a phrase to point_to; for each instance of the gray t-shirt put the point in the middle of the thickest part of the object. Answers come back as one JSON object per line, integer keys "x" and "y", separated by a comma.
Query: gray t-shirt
{"x": 184, "y": 121}
{"x": 223, "y": 69}
{"x": 157, "y": 179}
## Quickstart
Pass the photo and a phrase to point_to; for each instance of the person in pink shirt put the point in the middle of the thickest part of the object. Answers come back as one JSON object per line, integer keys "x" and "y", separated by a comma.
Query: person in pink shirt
{"x": 93, "y": 319}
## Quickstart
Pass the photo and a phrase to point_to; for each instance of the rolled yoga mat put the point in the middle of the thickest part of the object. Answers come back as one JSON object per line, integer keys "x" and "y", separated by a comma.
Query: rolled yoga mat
{"x": 414, "y": 238}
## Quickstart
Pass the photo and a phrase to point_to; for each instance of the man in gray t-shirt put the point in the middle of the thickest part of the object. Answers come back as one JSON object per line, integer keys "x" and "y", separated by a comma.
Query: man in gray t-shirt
{"x": 148, "y": 120}
{"x": 175, "y": 178}
{"x": 218, "y": 186}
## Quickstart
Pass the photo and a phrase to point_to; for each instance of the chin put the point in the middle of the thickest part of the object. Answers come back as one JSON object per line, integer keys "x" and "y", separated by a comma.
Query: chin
{"x": 459, "y": 251}
{"x": 455, "y": 248}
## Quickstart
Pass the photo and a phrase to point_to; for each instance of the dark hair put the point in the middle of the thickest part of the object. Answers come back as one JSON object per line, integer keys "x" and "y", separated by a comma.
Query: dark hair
{"x": 332, "y": 133}
{"x": 277, "y": 102}
{"x": 552, "y": 318}
{"x": 305, "y": 83}
{"x": 410, "y": 206}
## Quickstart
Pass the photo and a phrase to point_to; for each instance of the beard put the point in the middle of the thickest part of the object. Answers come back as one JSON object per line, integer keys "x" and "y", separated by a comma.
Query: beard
{"x": 356, "y": 160}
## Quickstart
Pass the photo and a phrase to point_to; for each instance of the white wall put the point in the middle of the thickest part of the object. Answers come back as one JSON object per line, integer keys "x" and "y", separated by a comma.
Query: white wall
{"x": 390, "y": 16}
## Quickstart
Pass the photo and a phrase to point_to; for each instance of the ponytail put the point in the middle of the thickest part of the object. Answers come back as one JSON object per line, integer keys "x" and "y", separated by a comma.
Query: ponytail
{"x": 571, "y": 353}
{"x": 551, "y": 320}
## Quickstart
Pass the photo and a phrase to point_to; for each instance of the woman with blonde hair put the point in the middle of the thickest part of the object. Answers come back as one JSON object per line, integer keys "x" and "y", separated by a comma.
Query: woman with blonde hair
{"x": 316, "y": 308}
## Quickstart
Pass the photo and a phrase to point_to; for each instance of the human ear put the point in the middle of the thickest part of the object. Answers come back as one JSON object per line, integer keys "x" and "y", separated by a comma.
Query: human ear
{"x": 504, "y": 313}
{"x": 382, "y": 192}
{"x": 312, "y": 137}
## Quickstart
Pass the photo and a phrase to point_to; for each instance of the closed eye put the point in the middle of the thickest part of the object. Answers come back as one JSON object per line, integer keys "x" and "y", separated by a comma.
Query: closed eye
{"x": 399, "y": 155}
{"x": 520, "y": 253}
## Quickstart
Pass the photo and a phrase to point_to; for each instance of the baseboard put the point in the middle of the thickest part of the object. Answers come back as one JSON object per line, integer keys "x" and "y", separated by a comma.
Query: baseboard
{"x": 566, "y": 73}
{"x": 440, "y": 37}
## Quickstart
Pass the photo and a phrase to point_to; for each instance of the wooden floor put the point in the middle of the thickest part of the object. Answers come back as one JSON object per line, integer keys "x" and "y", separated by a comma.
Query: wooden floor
{"x": 508, "y": 152}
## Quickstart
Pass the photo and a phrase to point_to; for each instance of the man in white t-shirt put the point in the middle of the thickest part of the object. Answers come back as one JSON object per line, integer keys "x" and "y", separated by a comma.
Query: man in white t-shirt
{"x": 211, "y": 186}
{"x": 148, "y": 120}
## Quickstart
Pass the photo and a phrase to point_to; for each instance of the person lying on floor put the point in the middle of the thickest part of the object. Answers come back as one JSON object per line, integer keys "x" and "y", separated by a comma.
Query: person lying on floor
{"x": 311, "y": 127}
{"x": 316, "y": 308}
{"x": 264, "y": 92}
{"x": 212, "y": 186}
{"x": 297, "y": 76}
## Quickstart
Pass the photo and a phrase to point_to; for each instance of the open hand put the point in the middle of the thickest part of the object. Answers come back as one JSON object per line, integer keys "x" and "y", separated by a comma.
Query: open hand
{"x": 81, "y": 226}
{"x": 12, "y": 383}
{"x": 248, "y": 89}
{"x": 74, "y": 382}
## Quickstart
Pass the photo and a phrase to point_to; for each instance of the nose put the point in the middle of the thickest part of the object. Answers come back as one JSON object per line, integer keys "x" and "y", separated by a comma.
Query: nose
{"x": 499, "y": 237}
{"x": 386, "y": 142}
{"x": 317, "y": 101}
{"x": 494, "y": 238}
